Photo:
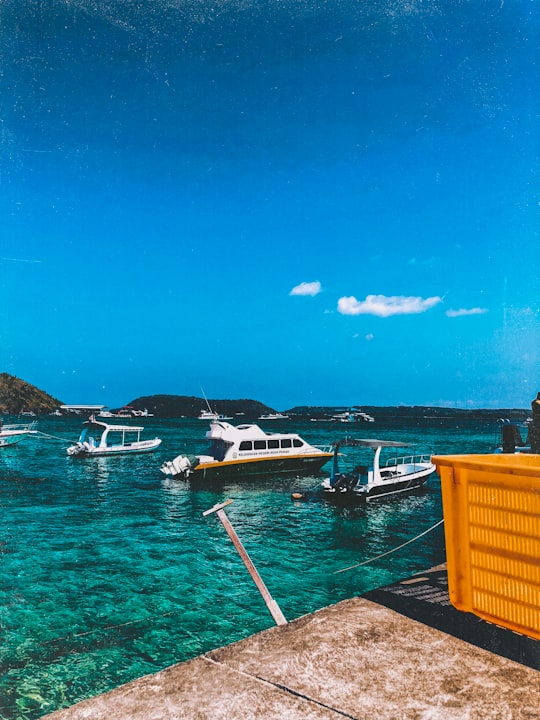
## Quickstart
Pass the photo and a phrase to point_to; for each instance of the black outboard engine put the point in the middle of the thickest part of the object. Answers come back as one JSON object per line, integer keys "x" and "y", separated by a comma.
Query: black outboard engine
{"x": 511, "y": 438}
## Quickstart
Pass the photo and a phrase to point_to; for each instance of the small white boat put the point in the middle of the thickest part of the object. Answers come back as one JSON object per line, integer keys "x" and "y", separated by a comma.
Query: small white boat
{"x": 209, "y": 414}
{"x": 246, "y": 450}
{"x": 352, "y": 416}
{"x": 212, "y": 416}
{"x": 141, "y": 413}
{"x": 99, "y": 438}
{"x": 125, "y": 412}
{"x": 273, "y": 416}
{"x": 12, "y": 434}
{"x": 398, "y": 475}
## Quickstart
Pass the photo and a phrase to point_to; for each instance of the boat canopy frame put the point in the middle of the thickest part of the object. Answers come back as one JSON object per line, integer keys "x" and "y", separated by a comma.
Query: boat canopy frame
{"x": 110, "y": 429}
{"x": 372, "y": 443}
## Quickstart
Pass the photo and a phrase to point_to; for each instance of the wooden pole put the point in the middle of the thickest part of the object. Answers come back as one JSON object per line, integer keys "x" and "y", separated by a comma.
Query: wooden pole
{"x": 271, "y": 604}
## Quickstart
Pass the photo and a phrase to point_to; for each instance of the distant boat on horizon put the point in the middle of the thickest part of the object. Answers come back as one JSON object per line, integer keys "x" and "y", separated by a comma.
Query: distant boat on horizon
{"x": 351, "y": 416}
{"x": 212, "y": 416}
{"x": 125, "y": 412}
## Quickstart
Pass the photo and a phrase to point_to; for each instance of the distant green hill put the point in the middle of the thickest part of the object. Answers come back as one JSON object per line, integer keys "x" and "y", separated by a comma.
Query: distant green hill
{"x": 416, "y": 411}
{"x": 188, "y": 406}
{"x": 17, "y": 396}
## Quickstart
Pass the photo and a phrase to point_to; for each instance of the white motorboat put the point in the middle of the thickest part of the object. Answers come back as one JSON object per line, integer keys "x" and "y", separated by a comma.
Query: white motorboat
{"x": 399, "y": 474}
{"x": 99, "y": 438}
{"x": 12, "y": 434}
{"x": 209, "y": 414}
{"x": 273, "y": 416}
{"x": 125, "y": 412}
{"x": 212, "y": 416}
{"x": 141, "y": 413}
{"x": 245, "y": 450}
{"x": 352, "y": 416}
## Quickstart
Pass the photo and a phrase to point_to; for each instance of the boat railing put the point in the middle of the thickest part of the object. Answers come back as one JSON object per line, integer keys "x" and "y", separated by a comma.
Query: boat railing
{"x": 325, "y": 448}
{"x": 409, "y": 460}
{"x": 20, "y": 426}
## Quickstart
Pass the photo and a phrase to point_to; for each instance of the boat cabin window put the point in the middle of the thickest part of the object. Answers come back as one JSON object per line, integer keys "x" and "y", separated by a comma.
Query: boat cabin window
{"x": 273, "y": 444}
{"x": 218, "y": 449}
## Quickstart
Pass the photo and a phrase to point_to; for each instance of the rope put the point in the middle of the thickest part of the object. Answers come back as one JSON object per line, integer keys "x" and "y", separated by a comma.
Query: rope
{"x": 389, "y": 552}
{"x": 53, "y": 437}
{"x": 114, "y": 627}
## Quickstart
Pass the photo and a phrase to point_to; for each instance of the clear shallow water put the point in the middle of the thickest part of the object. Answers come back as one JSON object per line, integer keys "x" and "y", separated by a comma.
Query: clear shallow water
{"x": 110, "y": 571}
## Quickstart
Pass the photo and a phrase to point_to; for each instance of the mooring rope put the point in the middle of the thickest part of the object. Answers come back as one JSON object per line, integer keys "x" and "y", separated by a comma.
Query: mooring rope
{"x": 149, "y": 618}
{"x": 389, "y": 552}
{"x": 53, "y": 437}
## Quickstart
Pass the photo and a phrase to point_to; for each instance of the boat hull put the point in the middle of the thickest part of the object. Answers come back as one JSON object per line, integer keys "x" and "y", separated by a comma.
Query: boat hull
{"x": 292, "y": 465}
{"x": 375, "y": 491}
{"x": 397, "y": 488}
{"x": 12, "y": 438}
{"x": 12, "y": 434}
{"x": 146, "y": 447}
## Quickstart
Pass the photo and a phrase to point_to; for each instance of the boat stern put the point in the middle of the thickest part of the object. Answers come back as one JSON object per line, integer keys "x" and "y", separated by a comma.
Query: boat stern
{"x": 182, "y": 466}
{"x": 80, "y": 448}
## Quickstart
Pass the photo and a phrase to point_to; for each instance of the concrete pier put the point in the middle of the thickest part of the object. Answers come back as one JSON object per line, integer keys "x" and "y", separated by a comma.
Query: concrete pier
{"x": 358, "y": 659}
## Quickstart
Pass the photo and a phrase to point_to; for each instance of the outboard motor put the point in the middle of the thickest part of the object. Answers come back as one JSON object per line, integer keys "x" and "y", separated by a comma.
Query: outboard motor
{"x": 511, "y": 438}
{"x": 181, "y": 465}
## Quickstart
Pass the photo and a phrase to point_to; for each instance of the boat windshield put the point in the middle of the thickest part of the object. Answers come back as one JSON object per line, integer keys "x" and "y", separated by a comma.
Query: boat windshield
{"x": 218, "y": 449}
{"x": 91, "y": 434}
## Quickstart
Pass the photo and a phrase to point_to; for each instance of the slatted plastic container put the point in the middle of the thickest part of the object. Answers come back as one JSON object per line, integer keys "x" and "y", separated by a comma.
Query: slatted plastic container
{"x": 491, "y": 507}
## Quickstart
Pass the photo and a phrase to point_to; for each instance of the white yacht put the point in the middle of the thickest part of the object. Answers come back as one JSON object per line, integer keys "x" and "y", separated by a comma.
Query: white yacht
{"x": 273, "y": 416}
{"x": 99, "y": 438}
{"x": 248, "y": 450}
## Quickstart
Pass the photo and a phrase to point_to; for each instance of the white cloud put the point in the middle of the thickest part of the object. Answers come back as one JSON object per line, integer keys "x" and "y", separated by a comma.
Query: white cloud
{"x": 307, "y": 288}
{"x": 384, "y": 306}
{"x": 464, "y": 311}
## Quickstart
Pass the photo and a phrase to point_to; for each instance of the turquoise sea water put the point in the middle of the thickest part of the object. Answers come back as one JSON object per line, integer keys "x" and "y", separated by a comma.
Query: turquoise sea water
{"x": 110, "y": 571}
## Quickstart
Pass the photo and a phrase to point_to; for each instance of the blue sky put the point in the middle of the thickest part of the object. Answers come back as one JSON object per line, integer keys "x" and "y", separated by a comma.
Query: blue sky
{"x": 287, "y": 201}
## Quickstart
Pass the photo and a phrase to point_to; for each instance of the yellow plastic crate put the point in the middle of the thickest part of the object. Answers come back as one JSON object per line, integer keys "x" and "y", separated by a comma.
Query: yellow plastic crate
{"x": 491, "y": 506}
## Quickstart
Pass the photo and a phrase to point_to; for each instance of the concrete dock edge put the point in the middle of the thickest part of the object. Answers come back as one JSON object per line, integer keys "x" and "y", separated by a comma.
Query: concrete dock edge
{"x": 356, "y": 659}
